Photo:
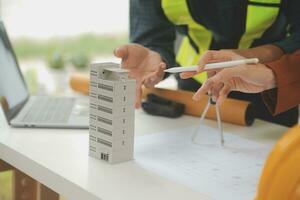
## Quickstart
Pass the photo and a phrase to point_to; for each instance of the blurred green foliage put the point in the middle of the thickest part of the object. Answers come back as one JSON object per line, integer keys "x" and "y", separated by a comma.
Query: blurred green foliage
{"x": 79, "y": 60}
{"x": 90, "y": 44}
{"x": 56, "y": 60}
{"x": 31, "y": 81}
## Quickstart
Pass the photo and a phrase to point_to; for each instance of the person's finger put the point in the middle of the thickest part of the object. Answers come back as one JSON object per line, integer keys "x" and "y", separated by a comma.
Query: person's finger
{"x": 216, "y": 82}
{"x": 149, "y": 79}
{"x": 203, "y": 90}
{"x": 212, "y": 56}
{"x": 186, "y": 75}
{"x": 160, "y": 71}
{"x": 147, "y": 82}
{"x": 207, "y": 57}
{"x": 226, "y": 89}
{"x": 123, "y": 53}
{"x": 211, "y": 73}
{"x": 150, "y": 82}
{"x": 216, "y": 88}
{"x": 138, "y": 95}
{"x": 225, "y": 75}
{"x": 222, "y": 77}
{"x": 156, "y": 76}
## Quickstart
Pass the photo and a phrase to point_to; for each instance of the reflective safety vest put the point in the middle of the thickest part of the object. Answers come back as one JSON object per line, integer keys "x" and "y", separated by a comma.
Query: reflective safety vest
{"x": 259, "y": 19}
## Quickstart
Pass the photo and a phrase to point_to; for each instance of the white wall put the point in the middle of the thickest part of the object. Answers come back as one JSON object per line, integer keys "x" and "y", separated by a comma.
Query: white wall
{"x": 47, "y": 18}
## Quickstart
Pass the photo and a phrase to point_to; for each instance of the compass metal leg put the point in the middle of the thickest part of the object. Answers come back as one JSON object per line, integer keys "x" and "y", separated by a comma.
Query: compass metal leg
{"x": 220, "y": 126}
{"x": 201, "y": 120}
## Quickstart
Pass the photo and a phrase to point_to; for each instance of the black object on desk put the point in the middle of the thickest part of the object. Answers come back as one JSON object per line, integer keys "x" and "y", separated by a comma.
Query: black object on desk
{"x": 155, "y": 105}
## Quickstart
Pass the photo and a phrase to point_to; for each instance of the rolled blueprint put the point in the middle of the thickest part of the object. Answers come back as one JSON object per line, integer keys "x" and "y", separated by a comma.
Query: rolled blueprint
{"x": 232, "y": 111}
{"x": 80, "y": 83}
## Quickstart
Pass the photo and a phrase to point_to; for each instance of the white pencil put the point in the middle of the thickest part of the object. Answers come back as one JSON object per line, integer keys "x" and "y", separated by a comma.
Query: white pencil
{"x": 210, "y": 66}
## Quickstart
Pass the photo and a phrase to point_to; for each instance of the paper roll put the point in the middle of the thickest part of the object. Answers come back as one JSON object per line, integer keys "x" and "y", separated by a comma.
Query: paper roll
{"x": 232, "y": 110}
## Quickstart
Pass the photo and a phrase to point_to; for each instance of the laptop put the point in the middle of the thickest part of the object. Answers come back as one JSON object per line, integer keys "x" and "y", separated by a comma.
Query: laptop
{"x": 24, "y": 110}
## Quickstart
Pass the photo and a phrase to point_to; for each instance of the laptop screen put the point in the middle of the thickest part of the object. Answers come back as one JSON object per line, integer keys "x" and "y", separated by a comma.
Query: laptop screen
{"x": 12, "y": 85}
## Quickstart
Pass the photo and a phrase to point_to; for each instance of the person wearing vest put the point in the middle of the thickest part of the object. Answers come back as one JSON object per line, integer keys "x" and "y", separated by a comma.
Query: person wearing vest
{"x": 266, "y": 29}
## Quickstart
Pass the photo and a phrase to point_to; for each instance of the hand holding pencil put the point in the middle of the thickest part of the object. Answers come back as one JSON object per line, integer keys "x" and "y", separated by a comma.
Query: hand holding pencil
{"x": 248, "y": 78}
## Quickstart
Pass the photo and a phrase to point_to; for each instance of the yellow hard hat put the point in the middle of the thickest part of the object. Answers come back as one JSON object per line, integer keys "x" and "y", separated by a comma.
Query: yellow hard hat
{"x": 280, "y": 179}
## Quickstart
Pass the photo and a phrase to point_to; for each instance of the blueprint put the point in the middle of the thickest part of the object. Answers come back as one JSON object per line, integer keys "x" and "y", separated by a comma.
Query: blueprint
{"x": 224, "y": 173}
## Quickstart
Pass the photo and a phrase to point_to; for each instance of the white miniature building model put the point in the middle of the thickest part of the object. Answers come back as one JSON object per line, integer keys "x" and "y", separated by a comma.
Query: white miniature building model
{"x": 112, "y": 96}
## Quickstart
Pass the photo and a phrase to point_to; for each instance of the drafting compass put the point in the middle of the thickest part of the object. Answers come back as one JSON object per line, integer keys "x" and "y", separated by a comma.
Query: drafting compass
{"x": 219, "y": 122}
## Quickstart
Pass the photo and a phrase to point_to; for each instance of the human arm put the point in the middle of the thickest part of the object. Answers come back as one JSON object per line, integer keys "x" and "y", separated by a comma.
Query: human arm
{"x": 150, "y": 27}
{"x": 287, "y": 75}
{"x": 265, "y": 53}
{"x": 289, "y": 44}
{"x": 279, "y": 80}
{"x": 151, "y": 50}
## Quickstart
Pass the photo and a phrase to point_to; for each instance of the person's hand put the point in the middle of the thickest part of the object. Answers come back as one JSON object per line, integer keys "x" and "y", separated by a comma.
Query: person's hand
{"x": 144, "y": 65}
{"x": 243, "y": 78}
{"x": 212, "y": 57}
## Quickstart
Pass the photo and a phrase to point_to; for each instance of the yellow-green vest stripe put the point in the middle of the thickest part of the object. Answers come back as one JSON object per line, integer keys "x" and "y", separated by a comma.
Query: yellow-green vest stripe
{"x": 178, "y": 13}
{"x": 259, "y": 19}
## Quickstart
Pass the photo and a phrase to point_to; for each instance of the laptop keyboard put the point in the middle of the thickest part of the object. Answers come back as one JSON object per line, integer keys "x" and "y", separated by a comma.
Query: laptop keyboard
{"x": 50, "y": 110}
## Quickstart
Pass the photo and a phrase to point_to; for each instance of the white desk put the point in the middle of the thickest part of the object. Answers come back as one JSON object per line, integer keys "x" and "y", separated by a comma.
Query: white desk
{"x": 59, "y": 159}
